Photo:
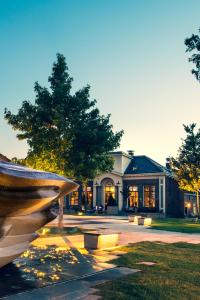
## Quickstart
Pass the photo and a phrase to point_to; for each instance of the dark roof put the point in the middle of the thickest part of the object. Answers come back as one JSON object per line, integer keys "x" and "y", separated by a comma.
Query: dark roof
{"x": 143, "y": 164}
{"x": 4, "y": 158}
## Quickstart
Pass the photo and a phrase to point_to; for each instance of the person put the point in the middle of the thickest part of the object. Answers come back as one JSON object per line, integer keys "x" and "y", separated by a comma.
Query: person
{"x": 111, "y": 200}
{"x": 106, "y": 206}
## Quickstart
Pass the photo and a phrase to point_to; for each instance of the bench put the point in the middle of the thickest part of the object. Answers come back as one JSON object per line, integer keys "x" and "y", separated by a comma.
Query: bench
{"x": 139, "y": 220}
{"x": 144, "y": 221}
{"x": 133, "y": 218}
{"x": 100, "y": 239}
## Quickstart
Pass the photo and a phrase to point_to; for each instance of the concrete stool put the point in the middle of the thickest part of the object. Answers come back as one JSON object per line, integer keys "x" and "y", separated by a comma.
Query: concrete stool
{"x": 132, "y": 218}
{"x": 100, "y": 239}
{"x": 144, "y": 221}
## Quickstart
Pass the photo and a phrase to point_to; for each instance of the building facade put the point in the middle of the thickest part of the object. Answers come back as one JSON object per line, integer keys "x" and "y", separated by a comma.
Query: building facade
{"x": 137, "y": 183}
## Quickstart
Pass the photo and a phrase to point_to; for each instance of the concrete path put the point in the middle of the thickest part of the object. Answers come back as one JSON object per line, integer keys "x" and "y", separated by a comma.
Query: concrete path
{"x": 130, "y": 233}
{"x": 94, "y": 267}
{"x": 79, "y": 289}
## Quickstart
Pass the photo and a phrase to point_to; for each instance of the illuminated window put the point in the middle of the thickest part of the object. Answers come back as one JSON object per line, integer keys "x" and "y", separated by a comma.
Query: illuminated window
{"x": 89, "y": 195}
{"x": 149, "y": 196}
{"x": 133, "y": 196}
{"x": 73, "y": 198}
{"x": 110, "y": 194}
{"x": 88, "y": 189}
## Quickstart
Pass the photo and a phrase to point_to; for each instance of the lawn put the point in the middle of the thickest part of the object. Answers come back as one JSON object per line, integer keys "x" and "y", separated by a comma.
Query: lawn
{"x": 51, "y": 231}
{"x": 175, "y": 276}
{"x": 179, "y": 225}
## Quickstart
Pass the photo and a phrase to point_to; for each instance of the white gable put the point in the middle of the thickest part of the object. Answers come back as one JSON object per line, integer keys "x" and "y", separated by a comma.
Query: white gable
{"x": 121, "y": 162}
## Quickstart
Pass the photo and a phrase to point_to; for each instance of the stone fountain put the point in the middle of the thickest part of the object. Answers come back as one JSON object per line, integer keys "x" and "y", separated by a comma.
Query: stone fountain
{"x": 26, "y": 200}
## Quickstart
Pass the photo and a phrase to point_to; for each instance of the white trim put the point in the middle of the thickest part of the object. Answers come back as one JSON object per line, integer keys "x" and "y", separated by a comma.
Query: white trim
{"x": 139, "y": 178}
{"x": 117, "y": 173}
{"x": 128, "y": 176}
{"x": 120, "y": 198}
{"x": 161, "y": 196}
{"x": 164, "y": 194}
{"x": 94, "y": 195}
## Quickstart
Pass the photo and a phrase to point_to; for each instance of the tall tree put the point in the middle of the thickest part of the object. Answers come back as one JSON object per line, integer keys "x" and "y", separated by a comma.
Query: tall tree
{"x": 65, "y": 133}
{"x": 193, "y": 45}
{"x": 186, "y": 165}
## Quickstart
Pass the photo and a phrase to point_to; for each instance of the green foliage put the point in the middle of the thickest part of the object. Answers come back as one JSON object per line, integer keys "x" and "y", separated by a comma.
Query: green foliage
{"x": 65, "y": 133}
{"x": 193, "y": 45}
{"x": 187, "y": 164}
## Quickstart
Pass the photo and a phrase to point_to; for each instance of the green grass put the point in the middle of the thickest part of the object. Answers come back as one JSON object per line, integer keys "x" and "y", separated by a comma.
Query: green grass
{"x": 179, "y": 225}
{"x": 49, "y": 231}
{"x": 175, "y": 276}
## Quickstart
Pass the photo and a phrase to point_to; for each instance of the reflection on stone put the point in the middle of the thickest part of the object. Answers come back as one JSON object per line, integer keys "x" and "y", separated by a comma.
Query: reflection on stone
{"x": 37, "y": 267}
{"x": 26, "y": 200}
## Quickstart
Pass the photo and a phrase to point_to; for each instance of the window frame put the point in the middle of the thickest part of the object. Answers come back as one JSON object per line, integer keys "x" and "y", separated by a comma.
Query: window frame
{"x": 133, "y": 189}
{"x": 150, "y": 192}
{"x": 76, "y": 198}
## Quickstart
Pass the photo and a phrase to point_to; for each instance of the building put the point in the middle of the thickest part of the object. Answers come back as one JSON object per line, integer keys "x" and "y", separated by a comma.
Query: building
{"x": 136, "y": 183}
{"x": 4, "y": 158}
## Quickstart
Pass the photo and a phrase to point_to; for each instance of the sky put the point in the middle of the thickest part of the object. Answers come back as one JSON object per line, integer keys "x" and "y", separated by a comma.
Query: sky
{"x": 131, "y": 52}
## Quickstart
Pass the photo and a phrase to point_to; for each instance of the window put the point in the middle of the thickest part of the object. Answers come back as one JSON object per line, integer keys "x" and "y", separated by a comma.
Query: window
{"x": 89, "y": 195}
{"x": 133, "y": 196}
{"x": 73, "y": 198}
{"x": 149, "y": 196}
{"x": 88, "y": 189}
{"x": 110, "y": 194}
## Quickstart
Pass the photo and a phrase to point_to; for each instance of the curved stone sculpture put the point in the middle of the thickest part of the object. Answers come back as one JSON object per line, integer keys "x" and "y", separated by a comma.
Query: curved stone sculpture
{"x": 26, "y": 200}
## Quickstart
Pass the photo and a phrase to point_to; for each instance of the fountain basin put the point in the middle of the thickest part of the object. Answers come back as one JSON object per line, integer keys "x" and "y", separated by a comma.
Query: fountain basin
{"x": 26, "y": 200}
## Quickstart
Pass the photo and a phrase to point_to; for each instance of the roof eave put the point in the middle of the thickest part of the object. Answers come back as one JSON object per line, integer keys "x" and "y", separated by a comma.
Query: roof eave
{"x": 145, "y": 174}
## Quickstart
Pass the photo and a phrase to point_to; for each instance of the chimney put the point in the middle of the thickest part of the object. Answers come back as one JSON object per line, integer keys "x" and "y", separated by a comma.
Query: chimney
{"x": 131, "y": 153}
{"x": 167, "y": 165}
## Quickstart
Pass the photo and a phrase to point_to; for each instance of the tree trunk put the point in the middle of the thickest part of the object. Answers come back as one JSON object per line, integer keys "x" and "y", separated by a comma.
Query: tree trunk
{"x": 61, "y": 209}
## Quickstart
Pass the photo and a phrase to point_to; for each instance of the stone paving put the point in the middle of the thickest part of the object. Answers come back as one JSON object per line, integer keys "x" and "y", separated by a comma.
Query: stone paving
{"x": 130, "y": 233}
{"x": 35, "y": 270}
{"x": 80, "y": 289}
{"x": 93, "y": 267}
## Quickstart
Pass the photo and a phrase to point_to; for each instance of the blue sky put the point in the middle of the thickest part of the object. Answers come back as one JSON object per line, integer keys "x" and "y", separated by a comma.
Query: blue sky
{"x": 132, "y": 54}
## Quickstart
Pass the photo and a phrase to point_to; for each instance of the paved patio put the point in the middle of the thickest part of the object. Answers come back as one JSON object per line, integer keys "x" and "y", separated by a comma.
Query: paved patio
{"x": 130, "y": 233}
{"x": 92, "y": 267}
{"x": 78, "y": 289}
